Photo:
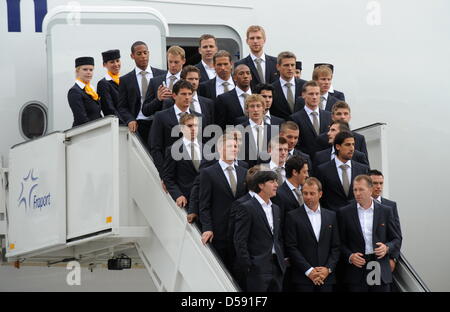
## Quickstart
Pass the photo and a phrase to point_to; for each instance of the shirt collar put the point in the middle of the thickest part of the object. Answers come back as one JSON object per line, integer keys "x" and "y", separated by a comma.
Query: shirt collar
{"x": 178, "y": 111}
{"x": 378, "y": 198}
{"x": 274, "y": 165}
{"x": 80, "y": 84}
{"x": 261, "y": 201}
{"x": 291, "y": 186}
{"x": 252, "y": 194}
{"x": 138, "y": 70}
{"x": 188, "y": 142}
{"x": 325, "y": 95}
{"x": 361, "y": 208}
{"x": 331, "y": 90}
{"x": 239, "y": 91}
{"x": 252, "y": 123}
{"x": 168, "y": 75}
{"x": 283, "y": 82}
{"x": 254, "y": 57}
{"x": 219, "y": 81}
{"x": 207, "y": 67}
{"x": 308, "y": 210}
{"x": 224, "y": 165}
{"x": 108, "y": 77}
{"x": 309, "y": 110}
{"x": 195, "y": 96}
{"x": 339, "y": 162}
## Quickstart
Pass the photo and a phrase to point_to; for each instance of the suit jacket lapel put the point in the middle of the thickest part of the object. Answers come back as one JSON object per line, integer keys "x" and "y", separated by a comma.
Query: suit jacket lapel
{"x": 307, "y": 221}
{"x": 270, "y": 68}
{"x": 336, "y": 177}
{"x": 357, "y": 223}
{"x": 376, "y": 221}
{"x": 291, "y": 196}
{"x": 213, "y": 88}
{"x": 262, "y": 214}
{"x": 308, "y": 122}
{"x": 324, "y": 224}
{"x": 224, "y": 179}
{"x": 275, "y": 217}
{"x": 323, "y": 125}
{"x": 252, "y": 67}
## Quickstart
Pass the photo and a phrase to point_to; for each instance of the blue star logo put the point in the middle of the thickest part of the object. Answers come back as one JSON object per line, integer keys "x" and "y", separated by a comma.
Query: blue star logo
{"x": 28, "y": 183}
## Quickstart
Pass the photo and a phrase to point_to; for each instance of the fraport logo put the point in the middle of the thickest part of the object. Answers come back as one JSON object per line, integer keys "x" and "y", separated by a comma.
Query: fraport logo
{"x": 28, "y": 195}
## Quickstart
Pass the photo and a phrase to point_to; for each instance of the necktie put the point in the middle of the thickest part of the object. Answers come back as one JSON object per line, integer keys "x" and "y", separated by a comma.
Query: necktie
{"x": 225, "y": 85}
{"x": 323, "y": 102}
{"x": 259, "y": 137}
{"x": 192, "y": 107}
{"x": 278, "y": 170}
{"x": 260, "y": 70}
{"x": 172, "y": 81}
{"x": 299, "y": 196}
{"x": 232, "y": 179}
{"x": 316, "y": 122}
{"x": 144, "y": 84}
{"x": 345, "y": 180}
{"x": 115, "y": 78}
{"x": 182, "y": 114}
{"x": 290, "y": 96}
{"x": 267, "y": 119}
{"x": 194, "y": 156}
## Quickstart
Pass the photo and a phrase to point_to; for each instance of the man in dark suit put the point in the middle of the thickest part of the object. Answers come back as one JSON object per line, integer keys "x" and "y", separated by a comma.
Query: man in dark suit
{"x": 368, "y": 234}
{"x": 323, "y": 75}
{"x": 337, "y": 175}
{"x": 275, "y": 158}
{"x": 258, "y": 237}
{"x": 311, "y": 120}
{"x": 182, "y": 161}
{"x": 328, "y": 154}
{"x": 266, "y": 91}
{"x": 287, "y": 88}
{"x": 220, "y": 185}
{"x": 207, "y": 48}
{"x": 164, "y": 121}
{"x": 312, "y": 242}
{"x": 377, "y": 191}
{"x": 290, "y": 131}
{"x": 108, "y": 86}
{"x": 255, "y": 133}
{"x": 160, "y": 88}
{"x": 231, "y": 105}
{"x": 223, "y": 81}
{"x": 262, "y": 66}
{"x": 133, "y": 88}
{"x": 337, "y": 94}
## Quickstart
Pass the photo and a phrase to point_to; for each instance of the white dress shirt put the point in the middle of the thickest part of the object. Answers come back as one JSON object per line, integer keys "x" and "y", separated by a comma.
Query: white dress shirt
{"x": 285, "y": 88}
{"x": 148, "y": 75}
{"x": 211, "y": 71}
{"x": 366, "y": 220}
{"x": 349, "y": 170}
{"x": 187, "y": 145}
{"x": 316, "y": 222}
{"x": 267, "y": 207}
{"x": 168, "y": 75}
{"x": 333, "y": 153}
{"x": 268, "y": 118}
{"x": 241, "y": 98}
{"x": 323, "y": 103}
{"x": 309, "y": 111}
{"x": 219, "y": 86}
{"x": 224, "y": 166}
{"x": 273, "y": 166}
{"x": 253, "y": 126}
{"x": 292, "y": 188}
{"x": 263, "y": 63}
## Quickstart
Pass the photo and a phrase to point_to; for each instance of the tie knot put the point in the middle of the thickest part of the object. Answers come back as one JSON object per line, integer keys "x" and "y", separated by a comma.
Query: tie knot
{"x": 143, "y": 73}
{"x": 245, "y": 95}
{"x": 230, "y": 168}
{"x": 288, "y": 84}
{"x": 181, "y": 114}
{"x": 172, "y": 77}
{"x": 344, "y": 166}
{"x": 258, "y": 60}
{"x": 314, "y": 113}
{"x": 225, "y": 83}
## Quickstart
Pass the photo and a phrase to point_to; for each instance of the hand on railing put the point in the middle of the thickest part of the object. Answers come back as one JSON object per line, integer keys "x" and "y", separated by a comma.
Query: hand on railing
{"x": 207, "y": 237}
{"x": 191, "y": 217}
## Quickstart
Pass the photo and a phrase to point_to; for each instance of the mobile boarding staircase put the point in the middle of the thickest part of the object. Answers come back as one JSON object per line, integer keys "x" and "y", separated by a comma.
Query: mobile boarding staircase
{"x": 93, "y": 191}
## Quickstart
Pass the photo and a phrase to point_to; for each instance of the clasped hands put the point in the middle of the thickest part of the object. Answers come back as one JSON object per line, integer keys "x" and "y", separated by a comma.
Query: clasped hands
{"x": 318, "y": 275}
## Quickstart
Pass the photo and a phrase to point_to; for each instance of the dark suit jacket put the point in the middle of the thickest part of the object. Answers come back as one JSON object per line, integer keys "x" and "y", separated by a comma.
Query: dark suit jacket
{"x": 151, "y": 103}
{"x": 130, "y": 95}
{"x": 83, "y": 106}
{"x": 269, "y": 75}
{"x": 333, "y": 192}
{"x": 395, "y": 253}
{"x": 307, "y": 141}
{"x": 253, "y": 239}
{"x": 216, "y": 199}
{"x": 325, "y": 156}
{"x": 248, "y": 151}
{"x": 179, "y": 174}
{"x": 360, "y": 143}
{"x": 330, "y": 102}
{"x": 352, "y": 239}
{"x": 207, "y": 106}
{"x": 305, "y": 251}
{"x": 286, "y": 201}
{"x": 208, "y": 89}
{"x": 228, "y": 109}
{"x": 203, "y": 74}
{"x": 108, "y": 91}
{"x": 280, "y": 105}
{"x": 339, "y": 95}
{"x": 160, "y": 135}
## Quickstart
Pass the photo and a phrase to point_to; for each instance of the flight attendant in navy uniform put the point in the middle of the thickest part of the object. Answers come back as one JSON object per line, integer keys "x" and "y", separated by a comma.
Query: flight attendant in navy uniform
{"x": 83, "y": 100}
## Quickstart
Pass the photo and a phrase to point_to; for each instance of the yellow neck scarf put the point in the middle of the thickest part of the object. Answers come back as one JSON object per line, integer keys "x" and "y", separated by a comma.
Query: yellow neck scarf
{"x": 88, "y": 89}
{"x": 114, "y": 77}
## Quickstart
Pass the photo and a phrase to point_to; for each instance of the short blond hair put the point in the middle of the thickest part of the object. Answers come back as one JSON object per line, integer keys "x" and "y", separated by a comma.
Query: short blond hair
{"x": 177, "y": 51}
{"x": 254, "y": 98}
{"x": 320, "y": 71}
{"x": 255, "y": 28}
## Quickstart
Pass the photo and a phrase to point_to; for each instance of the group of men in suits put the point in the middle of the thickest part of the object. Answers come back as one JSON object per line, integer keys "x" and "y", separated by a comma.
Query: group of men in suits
{"x": 301, "y": 212}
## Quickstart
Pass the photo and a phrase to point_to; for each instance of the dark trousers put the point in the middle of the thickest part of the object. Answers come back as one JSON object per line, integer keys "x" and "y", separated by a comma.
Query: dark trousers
{"x": 265, "y": 282}
{"x": 313, "y": 288}
{"x": 144, "y": 131}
